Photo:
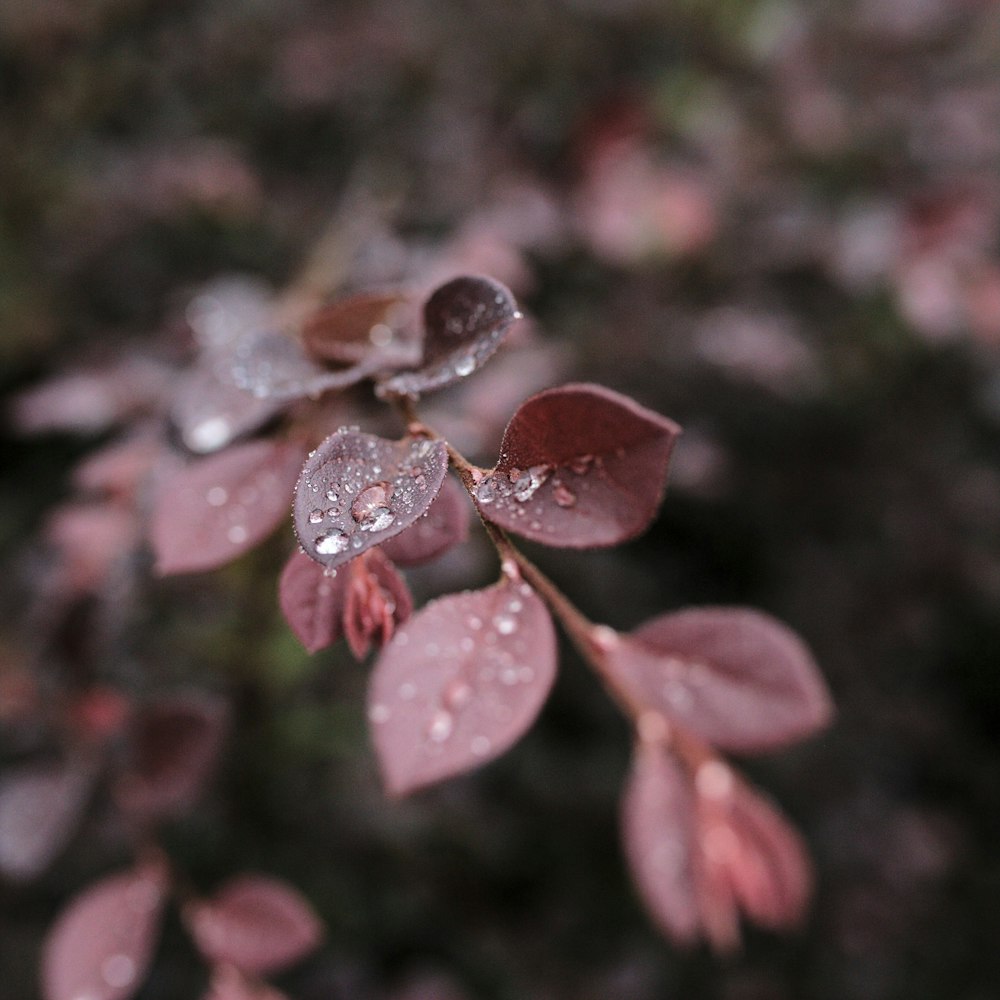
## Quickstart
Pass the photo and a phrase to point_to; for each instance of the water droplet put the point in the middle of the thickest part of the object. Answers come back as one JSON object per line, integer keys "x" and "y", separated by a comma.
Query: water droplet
{"x": 563, "y": 495}
{"x": 505, "y": 624}
{"x": 527, "y": 483}
{"x": 480, "y": 746}
{"x": 465, "y": 366}
{"x": 371, "y": 507}
{"x": 331, "y": 543}
{"x": 315, "y": 516}
{"x": 209, "y": 434}
{"x": 332, "y": 496}
{"x": 237, "y": 534}
{"x": 118, "y": 971}
{"x": 379, "y": 714}
{"x": 486, "y": 491}
{"x": 407, "y": 691}
{"x": 441, "y": 726}
{"x": 380, "y": 335}
{"x": 475, "y": 623}
{"x": 217, "y": 496}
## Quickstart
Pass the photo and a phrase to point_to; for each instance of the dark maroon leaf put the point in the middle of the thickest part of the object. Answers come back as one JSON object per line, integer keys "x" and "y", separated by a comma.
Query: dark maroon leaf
{"x": 364, "y": 327}
{"x": 444, "y": 524}
{"x": 101, "y": 945}
{"x": 40, "y": 807}
{"x": 738, "y": 678}
{"x": 580, "y": 467}
{"x": 357, "y": 490}
{"x": 377, "y": 600}
{"x": 465, "y": 321}
{"x": 174, "y": 745}
{"x": 257, "y": 923}
{"x": 219, "y": 507}
{"x": 460, "y": 683}
{"x": 658, "y": 817}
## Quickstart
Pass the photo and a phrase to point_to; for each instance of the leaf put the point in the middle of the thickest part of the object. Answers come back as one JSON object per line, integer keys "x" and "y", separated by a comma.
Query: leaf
{"x": 460, "y": 683}
{"x": 358, "y": 490}
{"x": 101, "y": 945}
{"x": 465, "y": 321}
{"x": 658, "y": 832}
{"x": 174, "y": 746}
{"x": 219, "y": 507}
{"x": 40, "y": 807}
{"x": 311, "y": 601}
{"x": 377, "y": 599}
{"x": 364, "y": 327}
{"x": 580, "y": 467}
{"x": 737, "y": 677}
{"x": 257, "y": 923}
{"x": 228, "y": 983}
{"x": 444, "y": 524}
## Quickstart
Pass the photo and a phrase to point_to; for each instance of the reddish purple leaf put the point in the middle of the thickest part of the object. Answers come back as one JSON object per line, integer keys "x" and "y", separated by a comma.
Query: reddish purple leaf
{"x": 444, "y": 524}
{"x": 368, "y": 326}
{"x": 658, "y": 831}
{"x": 738, "y": 678}
{"x": 219, "y": 507}
{"x": 580, "y": 467}
{"x": 366, "y": 600}
{"x": 358, "y": 490}
{"x": 174, "y": 747}
{"x": 465, "y": 321}
{"x": 101, "y": 945}
{"x": 461, "y": 683}
{"x": 257, "y": 923}
{"x": 40, "y": 807}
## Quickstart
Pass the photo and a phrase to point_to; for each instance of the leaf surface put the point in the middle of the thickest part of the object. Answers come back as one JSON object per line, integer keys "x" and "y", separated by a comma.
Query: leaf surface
{"x": 375, "y": 327}
{"x": 460, "y": 683}
{"x": 580, "y": 467}
{"x": 357, "y": 490}
{"x": 223, "y": 505}
{"x": 737, "y": 677}
{"x": 443, "y": 525}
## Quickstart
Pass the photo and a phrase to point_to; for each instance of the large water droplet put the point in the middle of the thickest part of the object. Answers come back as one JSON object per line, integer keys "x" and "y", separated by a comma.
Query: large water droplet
{"x": 332, "y": 542}
{"x": 528, "y": 482}
{"x": 465, "y": 366}
{"x": 486, "y": 491}
{"x": 371, "y": 507}
{"x": 441, "y": 726}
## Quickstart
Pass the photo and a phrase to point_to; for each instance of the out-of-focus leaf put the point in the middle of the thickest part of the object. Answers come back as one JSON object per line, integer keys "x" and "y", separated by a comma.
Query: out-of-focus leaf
{"x": 444, "y": 524}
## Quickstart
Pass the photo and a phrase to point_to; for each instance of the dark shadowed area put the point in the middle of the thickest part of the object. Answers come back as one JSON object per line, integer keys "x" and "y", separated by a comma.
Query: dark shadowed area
{"x": 776, "y": 223}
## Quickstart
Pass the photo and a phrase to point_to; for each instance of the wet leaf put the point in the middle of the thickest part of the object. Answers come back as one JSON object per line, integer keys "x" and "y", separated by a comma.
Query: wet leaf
{"x": 580, "y": 467}
{"x": 101, "y": 945}
{"x": 460, "y": 683}
{"x": 738, "y": 678}
{"x": 658, "y": 832}
{"x": 443, "y": 525}
{"x": 358, "y": 490}
{"x": 364, "y": 327}
{"x": 40, "y": 807}
{"x": 312, "y": 602}
{"x": 174, "y": 746}
{"x": 465, "y": 321}
{"x": 257, "y": 923}
{"x": 221, "y": 506}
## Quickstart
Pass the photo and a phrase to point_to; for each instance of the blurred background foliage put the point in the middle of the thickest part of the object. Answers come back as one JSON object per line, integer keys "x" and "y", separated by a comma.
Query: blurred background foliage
{"x": 776, "y": 222}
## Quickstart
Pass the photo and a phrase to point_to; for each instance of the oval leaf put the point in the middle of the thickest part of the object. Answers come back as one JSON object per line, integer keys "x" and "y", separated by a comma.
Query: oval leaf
{"x": 358, "y": 490}
{"x": 219, "y": 507}
{"x": 174, "y": 745}
{"x": 460, "y": 683}
{"x": 257, "y": 923}
{"x": 312, "y": 602}
{"x": 658, "y": 820}
{"x": 738, "y": 678}
{"x": 362, "y": 328}
{"x": 101, "y": 945}
{"x": 465, "y": 321}
{"x": 40, "y": 806}
{"x": 580, "y": 467}
{"x": 444, "y": 524}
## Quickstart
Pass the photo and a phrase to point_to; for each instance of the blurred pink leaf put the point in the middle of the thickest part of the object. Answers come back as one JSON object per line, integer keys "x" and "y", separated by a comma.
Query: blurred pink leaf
{"x": 174, "y": 746}
{"x": 580, "y": 467}
{"x": 460, "y": 683}
{"x": 465, "y": 321}
{"x": 221, "y": 506}
{"x": 93, "y": 539}
{"x": 119, "y": 468}
{"x": 228, "y": 983}
{"x": 257, "y": 923}
{"x": 444, "y": 524}
{"x": 358, "y": 490}
{"x": 40, "y": 807}
{"x": 737, "y": 677}
{"x": 101, "y": 945}
{"x": 658, "y": 833}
